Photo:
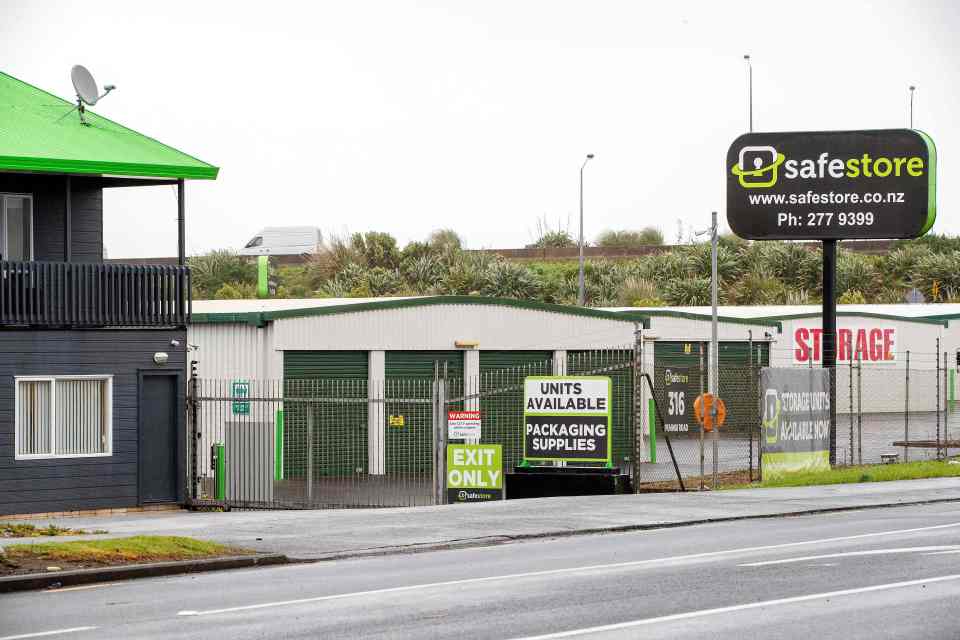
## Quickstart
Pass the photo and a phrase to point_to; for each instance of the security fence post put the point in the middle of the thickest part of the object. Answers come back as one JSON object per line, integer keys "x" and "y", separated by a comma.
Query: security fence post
{"x": 906, "y": 412}
{"x": 859, "y": 409}
{"x": 936, "y": 359}
{"x": 195, "y": 434}
{"x": 702, "y": 456}
{"x": 435, "y": 430}
{"x": 310, "y": 408}
{"x": 637, "y": 404}
{"x": 946, "y": 405}
{"x": 850, "y": 373}
{"x": 750, "y": 378}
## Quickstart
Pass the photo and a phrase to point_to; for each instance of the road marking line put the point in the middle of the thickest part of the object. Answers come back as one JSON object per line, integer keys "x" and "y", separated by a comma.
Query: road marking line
{"x": 941, "y": 553}
{"x": 548, "y": 572}
{"x": 42, "y": 634}
{"x": 951, "y": 548}
{"x": 738, "y": 607}
{"x": 81, "y": 587}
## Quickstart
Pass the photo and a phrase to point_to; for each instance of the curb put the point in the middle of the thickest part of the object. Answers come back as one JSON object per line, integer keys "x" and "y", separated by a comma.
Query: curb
{"x": 58, "y": 579}
{"x": 489, "y": 541}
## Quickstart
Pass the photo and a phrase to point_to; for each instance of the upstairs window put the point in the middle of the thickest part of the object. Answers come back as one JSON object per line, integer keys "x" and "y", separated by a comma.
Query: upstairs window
{"x": 16, "y": 227}
{"x": 64, "y": 417}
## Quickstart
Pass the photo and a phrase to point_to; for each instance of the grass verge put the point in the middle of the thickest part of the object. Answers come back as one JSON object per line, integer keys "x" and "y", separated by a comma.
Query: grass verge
{"x": 867, "y": 473}
{"x": 21, "y": 558}
{"x": 26, "y": 530}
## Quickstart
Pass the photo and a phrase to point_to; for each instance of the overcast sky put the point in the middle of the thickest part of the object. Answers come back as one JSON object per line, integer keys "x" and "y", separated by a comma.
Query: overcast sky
{"x": 405, "y": 116}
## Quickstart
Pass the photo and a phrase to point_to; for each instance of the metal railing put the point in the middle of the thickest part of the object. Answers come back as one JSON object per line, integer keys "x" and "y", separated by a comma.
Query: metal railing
{"x": 53, "y": 294}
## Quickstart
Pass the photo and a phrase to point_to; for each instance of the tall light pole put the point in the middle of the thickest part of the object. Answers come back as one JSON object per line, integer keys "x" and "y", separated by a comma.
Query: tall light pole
{"x": 581, "y": 292}
{"x": 912, "y": 89}
{"x": 749, "y": 92}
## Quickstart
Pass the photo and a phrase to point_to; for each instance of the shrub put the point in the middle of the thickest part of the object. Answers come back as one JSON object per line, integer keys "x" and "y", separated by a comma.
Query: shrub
{"x": 211, "y": 271}
{"x": 630, "y": 239}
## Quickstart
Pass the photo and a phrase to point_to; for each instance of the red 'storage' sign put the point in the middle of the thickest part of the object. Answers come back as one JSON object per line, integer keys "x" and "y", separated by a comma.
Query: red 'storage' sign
{"x": 866, "y": 343}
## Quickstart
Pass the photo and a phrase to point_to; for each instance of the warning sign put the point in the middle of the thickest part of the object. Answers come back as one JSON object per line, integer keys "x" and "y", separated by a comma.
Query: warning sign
{"x": 463, "y": 425}
{"x": 567, "y": 418}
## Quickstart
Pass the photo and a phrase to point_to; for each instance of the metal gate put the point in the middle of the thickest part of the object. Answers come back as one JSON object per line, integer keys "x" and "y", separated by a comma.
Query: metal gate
{"x": 328, "y": 443}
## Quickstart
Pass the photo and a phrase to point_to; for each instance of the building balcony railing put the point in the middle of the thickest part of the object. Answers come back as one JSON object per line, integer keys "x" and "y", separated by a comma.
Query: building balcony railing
{"x": 65, "y": 294}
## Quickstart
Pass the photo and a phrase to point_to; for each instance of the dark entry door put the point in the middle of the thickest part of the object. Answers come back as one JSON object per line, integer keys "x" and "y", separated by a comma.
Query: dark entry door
{"x": 158, "y": 438}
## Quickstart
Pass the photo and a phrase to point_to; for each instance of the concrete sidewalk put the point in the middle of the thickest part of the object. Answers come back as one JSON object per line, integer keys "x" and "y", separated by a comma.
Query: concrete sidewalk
{"x": 311, "y": 535}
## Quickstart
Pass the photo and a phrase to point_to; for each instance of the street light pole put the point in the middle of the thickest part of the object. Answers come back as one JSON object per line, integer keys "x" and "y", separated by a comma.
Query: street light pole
{"x": 581, "y": 291}
{"x": 912, "y": 89}
{"x": 749, "y": 91}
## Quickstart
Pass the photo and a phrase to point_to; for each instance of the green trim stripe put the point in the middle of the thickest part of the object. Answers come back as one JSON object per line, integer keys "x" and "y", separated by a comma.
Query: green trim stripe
{"x": 260, "y": 318}
{"x": 931, "y": 181}
{"x": 646, "y": 314}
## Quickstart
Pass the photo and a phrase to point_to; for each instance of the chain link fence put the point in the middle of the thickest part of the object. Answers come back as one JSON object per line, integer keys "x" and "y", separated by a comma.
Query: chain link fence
{"x": 322, "y": 443}
{"x": 901, "y": 410}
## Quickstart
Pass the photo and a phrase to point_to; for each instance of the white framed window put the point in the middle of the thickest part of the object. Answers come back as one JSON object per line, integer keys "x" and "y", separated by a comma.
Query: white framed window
{"x": 63, "y": 416}
{"x": 16, "y": 227}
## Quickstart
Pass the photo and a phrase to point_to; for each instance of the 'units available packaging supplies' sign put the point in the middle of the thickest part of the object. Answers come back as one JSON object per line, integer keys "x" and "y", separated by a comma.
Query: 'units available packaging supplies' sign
{"x": 567, "y": 418}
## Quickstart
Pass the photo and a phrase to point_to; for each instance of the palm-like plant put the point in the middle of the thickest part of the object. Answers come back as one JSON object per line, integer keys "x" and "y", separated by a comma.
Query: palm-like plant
{"x": 689, "y": 292}
{"x": 510, "y": 280}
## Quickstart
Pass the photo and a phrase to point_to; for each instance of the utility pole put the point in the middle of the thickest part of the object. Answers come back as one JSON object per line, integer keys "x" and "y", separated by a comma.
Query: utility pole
{"x": 714, "y": 342}
{"x": 581, "y": 290}
{"x": 713, "y": 368}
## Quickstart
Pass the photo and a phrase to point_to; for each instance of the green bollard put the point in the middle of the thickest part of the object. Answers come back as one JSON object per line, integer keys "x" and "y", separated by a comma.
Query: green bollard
{"x": 220, "y": 471}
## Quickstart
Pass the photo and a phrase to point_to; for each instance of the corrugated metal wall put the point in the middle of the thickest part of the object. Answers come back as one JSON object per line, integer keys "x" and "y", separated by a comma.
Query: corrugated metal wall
{"x": 436, "y": 327}
{"x": 234, "y": 351}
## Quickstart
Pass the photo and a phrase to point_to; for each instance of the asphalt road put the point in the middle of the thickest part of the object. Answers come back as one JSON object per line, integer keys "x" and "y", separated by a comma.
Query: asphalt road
{"x": 883, "y": 573}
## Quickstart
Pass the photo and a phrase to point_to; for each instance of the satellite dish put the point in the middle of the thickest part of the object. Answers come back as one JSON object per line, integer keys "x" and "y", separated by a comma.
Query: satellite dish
{"x": 84, "y": 84}
{"x": 86, "y": 88}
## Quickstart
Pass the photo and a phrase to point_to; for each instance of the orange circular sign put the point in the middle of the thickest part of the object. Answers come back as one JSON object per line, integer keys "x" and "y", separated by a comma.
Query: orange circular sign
{"x": 703, "y": 411}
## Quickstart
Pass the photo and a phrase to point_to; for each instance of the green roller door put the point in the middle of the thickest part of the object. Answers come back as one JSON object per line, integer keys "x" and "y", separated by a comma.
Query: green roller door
{"x": 420, "y": 364}
{"x": 325, "y": 365}
{"x": 409, "y": 384}
{"x": 618, "y": 366}
{"x": 340, "y": 429}
{"x": 738, "y": 384}
{"x": 501, "y": 403}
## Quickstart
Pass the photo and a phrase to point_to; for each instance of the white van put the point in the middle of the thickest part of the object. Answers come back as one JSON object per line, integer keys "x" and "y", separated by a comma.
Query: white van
{"x": 283, "y": 241}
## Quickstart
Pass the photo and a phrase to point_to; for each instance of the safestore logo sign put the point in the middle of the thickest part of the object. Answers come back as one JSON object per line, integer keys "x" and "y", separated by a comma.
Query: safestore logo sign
{"x": 474, "y": 472}
{"x": 567, "y": 418}
{"x": 757, "y": 167}
{"x": 832, "y": 185}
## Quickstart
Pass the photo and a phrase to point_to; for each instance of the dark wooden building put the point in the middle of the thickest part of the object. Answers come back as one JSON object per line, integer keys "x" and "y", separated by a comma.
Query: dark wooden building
{"x": 92, "y": 355}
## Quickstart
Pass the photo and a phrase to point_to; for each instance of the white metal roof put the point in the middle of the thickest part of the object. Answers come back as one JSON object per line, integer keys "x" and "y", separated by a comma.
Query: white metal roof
{"x": 779, "y": 311}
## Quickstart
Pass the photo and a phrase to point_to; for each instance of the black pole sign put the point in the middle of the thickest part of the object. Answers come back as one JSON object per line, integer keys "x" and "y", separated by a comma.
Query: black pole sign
{"x": 831, "y": 185}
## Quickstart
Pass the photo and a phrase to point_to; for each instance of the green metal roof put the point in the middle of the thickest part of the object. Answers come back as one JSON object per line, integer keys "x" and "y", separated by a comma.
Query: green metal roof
{"x": 688, "y": 315}
{"x": 260, "y": 318}
{"x": 33, "y": 137}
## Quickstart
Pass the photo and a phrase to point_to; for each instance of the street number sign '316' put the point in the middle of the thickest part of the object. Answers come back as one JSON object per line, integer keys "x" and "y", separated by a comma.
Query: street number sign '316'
{"x": 831, "y": 185}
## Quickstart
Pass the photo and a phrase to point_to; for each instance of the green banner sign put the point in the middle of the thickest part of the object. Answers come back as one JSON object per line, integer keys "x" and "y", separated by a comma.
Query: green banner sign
{"x": 796, "y": 420}
{"x": 474, "y": 472}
